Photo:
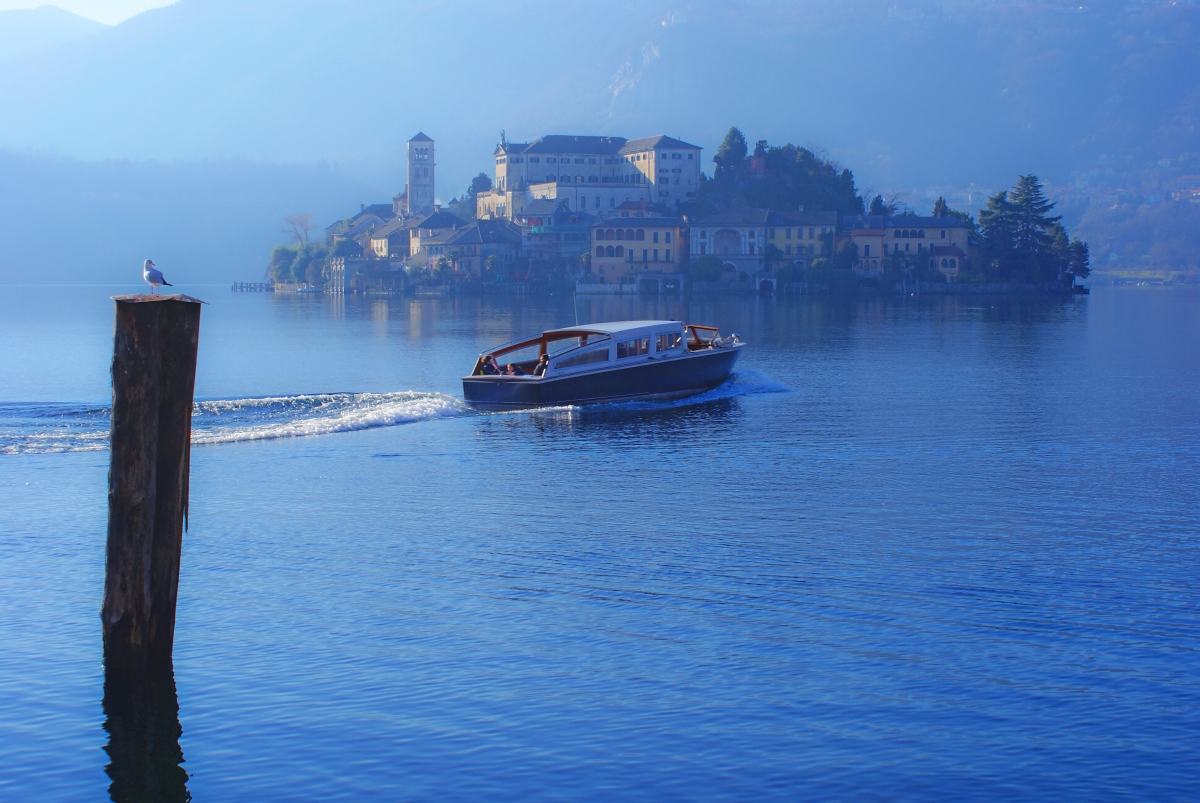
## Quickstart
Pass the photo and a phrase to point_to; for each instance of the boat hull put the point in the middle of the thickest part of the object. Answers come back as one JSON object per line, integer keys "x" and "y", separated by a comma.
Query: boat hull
{"x": 658, "y": 379}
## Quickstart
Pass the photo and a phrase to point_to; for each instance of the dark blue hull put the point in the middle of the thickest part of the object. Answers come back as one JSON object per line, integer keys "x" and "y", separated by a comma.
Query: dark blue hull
{"x": 658, "y": 379}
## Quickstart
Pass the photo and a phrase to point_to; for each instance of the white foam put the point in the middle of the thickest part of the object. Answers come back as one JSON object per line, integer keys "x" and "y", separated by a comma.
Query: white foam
{"x": 50, "y": 429}
{"x": 300, "y": 416}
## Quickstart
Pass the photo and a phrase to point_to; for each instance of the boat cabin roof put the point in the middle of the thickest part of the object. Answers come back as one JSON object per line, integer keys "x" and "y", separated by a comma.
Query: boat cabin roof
{"x": 613, "y": 328}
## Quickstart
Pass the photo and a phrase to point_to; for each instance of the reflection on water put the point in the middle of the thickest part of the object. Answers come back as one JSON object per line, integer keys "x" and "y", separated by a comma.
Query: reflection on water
{"x": 141, "y": 717}
{"x": 920, "y": 549}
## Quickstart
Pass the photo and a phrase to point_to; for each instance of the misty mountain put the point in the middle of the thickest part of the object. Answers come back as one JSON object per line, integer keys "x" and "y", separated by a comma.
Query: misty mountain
{"x": 31, "y": 30}
{"x": 65, "y": 221}
{"x": 905, "y": 94}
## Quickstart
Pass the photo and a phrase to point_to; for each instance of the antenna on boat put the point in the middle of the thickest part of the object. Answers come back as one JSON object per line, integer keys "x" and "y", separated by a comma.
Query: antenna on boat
{"x": 575, "y": 306}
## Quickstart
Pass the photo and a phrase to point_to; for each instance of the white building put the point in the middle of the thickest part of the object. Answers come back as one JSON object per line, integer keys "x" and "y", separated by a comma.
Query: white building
{"x": 591, "y": 174}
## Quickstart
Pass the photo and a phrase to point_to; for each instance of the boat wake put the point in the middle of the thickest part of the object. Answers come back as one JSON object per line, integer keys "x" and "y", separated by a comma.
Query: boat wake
{"x": 54, "y": 428}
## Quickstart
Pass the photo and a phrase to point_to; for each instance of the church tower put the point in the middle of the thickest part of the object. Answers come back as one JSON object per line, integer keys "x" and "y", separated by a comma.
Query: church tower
{"x": 420, "y": 175}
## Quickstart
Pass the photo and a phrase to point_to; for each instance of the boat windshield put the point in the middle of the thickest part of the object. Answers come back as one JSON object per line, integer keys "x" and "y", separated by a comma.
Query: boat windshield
{"x": 556, "y": 347}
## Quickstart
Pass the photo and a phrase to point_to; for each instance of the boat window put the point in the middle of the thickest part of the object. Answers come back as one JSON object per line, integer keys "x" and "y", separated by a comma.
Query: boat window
{"x": 583, "y": 358}
{"x": 634, "y": 347}
{"x": 556, "y": 347}
{"x": 668, "y": 341}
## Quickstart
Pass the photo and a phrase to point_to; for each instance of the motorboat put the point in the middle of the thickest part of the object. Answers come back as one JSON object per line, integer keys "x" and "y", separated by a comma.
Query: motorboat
{"x": 603, "y": 362}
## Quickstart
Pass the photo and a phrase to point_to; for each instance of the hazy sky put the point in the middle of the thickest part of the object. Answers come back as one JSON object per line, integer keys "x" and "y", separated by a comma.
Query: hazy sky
{"x": 109, "y": 12}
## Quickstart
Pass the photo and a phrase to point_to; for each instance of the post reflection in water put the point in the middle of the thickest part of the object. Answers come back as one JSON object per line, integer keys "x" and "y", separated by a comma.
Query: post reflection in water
{"x": 141, "y": 717}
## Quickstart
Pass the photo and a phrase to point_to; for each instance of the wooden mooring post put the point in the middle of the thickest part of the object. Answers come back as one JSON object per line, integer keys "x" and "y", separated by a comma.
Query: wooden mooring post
{"x": 154, "y": 375}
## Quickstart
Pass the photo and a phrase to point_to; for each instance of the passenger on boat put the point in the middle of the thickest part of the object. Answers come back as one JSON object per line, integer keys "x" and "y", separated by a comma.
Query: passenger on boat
{"x": 542, "y": 364}
{"x": 514, "y": 370}
{"x": 489, "y": 366}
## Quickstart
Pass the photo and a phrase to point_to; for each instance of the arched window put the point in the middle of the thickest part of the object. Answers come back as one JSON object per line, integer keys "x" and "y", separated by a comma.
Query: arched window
{"x": 611, "y": 235}
{"x": 629, "y": 234}
{"x": 610, "y": 251}
{"x": 620, "y": 234}
{"x": 953, "y": 262}
{"x": 620, "y": 250}
{"x": 904, "y": 233}
{"x": 641, "y": 234}
{"x": 583, "y": 202}
{"x": 579, "y": 179}
{"x": 550, "y": 177}
{"x": 599, "y": 250}
{"x": 593, "y": 179}
{"x": 612, "y": 202}
{"x": 626, "y": 197}
{"x": 599, "y": 234}
{"x": 945, "y": 263}
{"x": 896, "y": 234}
{"x": 565, "y": 178}
{"x": 598, "y": 204}
{"x": 921, "y": 233}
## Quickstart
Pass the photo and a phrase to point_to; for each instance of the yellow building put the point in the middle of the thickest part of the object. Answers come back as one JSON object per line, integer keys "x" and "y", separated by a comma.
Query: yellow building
{"x": 625, "y": 247}
{"x": 801, "y": 236}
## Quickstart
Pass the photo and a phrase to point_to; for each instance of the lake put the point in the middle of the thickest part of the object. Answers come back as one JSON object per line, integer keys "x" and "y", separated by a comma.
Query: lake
{"x": 915, "y": 549}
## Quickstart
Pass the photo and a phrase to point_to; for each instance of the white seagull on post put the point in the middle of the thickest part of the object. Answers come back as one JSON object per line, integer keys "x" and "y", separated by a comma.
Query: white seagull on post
{"x": 153, "y": 276}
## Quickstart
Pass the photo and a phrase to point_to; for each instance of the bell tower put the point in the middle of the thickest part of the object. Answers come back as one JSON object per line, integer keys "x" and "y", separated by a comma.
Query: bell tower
{"x": 420, "y": 175}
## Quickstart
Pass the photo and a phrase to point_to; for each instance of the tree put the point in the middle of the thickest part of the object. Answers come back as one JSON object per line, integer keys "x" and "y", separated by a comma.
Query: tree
{"x": 1079, "y": 260}
{"x": 772, "y": 254}
{"x": 939, "y": 207}
{"x": 1029, "y": 210}
{"x": 998, "y": 228}
{"x": 441, "y": 268}
{"x": 837, "y": 271}
{"x": 280, "y": 266}
{"x": 1021, "y": 240}
{"x": 731, "y": 153}
{"x": 345, "y": 248}
{"x": 760, "y": 148}
{"x": 466, "y": 207}
{"x": 298, "y": 227}
{"x": 707, "y": 268}
{"x": 491, "y": 268}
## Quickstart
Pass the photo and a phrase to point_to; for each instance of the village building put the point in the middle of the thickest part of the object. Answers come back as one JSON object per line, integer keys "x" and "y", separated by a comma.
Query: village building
{"x": 626, "y": 249}
{"x": 391, "y": 240}
{"x": 801, "y": 236}
{"x": 591, "y": 173}
{"x": 353, "y": 228}
{"x": 430, "y": 227}
{"x": 737, "y": 236}
{"x": 553, "y": 238}
{"x": 944, "y": 240}
{"x": 468, "y": 247}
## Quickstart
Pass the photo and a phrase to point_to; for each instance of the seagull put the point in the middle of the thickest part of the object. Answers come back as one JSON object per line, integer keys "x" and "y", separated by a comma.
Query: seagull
{"x": 153, "y": 276}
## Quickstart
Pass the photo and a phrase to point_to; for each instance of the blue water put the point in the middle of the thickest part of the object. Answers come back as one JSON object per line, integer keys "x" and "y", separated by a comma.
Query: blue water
{"x": 917, "y": 549}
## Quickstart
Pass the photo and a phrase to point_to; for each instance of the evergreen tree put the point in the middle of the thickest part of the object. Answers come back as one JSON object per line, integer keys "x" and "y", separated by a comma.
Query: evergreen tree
{"x": 1031, "y": 222}
{"x": 939, "y": 207}
{"x": 998, "y": 227}
{"x": 1079, "y": 260}
{"x": 731, "y": 153}
{"x": 465, "y": 208}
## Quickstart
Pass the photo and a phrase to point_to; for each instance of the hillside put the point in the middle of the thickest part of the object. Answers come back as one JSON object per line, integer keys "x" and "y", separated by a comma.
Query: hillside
{"x": 32, "y": 30}
{"x": 907, "y": 94}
